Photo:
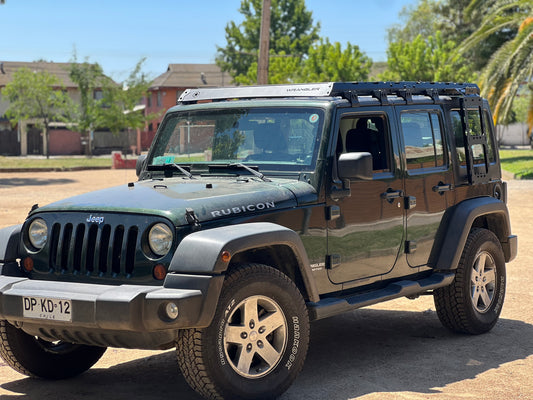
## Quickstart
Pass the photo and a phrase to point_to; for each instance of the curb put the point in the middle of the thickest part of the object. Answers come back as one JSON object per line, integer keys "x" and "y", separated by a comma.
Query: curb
{"x": 51, "y": 169}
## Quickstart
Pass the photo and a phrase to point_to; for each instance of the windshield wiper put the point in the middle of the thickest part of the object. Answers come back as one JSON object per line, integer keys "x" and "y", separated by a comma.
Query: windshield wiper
{"x": 179, "y": 168}
{"x": 251, "y": 170}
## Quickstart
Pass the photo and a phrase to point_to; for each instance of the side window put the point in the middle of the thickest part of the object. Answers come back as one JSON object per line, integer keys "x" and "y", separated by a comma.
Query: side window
{"x": 423, "y": 140}
{"x": 490, "y": 134}
{"x": 367, "y": 133}
{"x": 475, "y": 128}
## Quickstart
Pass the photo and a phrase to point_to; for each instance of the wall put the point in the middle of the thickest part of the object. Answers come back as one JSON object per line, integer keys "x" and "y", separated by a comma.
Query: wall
{"x": 513, "y": 134}
{"x": 64, "y": 142}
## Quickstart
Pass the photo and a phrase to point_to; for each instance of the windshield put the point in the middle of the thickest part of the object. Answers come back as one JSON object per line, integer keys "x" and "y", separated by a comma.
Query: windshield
{"x": 270, "y": 138}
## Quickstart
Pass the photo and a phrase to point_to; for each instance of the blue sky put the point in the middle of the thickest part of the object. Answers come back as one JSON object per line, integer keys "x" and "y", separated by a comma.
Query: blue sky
{"x": 118, "y": 33}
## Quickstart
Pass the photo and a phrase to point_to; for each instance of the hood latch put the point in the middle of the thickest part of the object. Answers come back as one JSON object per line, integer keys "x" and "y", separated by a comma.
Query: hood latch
{"x": 192, "y": 219}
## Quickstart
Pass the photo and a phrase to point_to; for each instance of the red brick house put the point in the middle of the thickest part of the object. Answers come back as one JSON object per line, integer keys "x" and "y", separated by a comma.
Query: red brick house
{"x": 167, "y": 88}
{"x": 25, "y": 139}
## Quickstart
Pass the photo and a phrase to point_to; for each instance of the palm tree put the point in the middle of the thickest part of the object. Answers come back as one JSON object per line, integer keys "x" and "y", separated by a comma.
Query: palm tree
{"x": 511, "y": 66}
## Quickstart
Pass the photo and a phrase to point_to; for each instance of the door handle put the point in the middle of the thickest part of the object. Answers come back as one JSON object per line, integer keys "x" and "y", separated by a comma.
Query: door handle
{"x": 390, "y": 195}
{"x": 442, "y": 187}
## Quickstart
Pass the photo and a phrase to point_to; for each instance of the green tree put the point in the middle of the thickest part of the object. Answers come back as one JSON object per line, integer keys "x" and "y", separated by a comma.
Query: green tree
{"x": 292, "y": 32}
{"x": 325, "y": 62}
{"x": 89, "y": 77}
{"x": 512, "y": 64}
{"x": 117, "y": 110}
{"x": 455, "y": 22}
{"x": 416, "y": 19}
{"x": 282, "y": 69}
{"x": 426, "y": 59}
{"x": 329, "y": 62}
{"x": 39, "y": 96}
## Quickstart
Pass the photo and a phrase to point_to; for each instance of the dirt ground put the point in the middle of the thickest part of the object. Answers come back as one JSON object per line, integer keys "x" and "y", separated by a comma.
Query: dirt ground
{"x": 395, "y": 350}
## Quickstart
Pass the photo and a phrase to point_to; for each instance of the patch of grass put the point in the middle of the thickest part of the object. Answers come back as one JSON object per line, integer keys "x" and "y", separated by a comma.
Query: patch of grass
{"x": 518, "y": 162}
{"x": 53, "y": 163}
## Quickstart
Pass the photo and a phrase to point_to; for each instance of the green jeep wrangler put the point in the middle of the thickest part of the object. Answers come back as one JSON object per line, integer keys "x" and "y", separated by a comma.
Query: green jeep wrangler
{"x": 258, "y": 210}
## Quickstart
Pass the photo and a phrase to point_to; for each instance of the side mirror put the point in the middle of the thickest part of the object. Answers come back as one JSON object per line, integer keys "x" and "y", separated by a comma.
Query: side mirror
{"x": 355, "y": 166}
{"x": 141, "y": 161}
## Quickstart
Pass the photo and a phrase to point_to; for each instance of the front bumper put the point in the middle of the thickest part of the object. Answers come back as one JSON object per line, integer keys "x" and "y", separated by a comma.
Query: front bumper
{"x": 130, "y": 315}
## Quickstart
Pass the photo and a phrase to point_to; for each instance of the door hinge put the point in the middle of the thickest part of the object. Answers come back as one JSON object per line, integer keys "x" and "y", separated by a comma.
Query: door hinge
{"x": 333, "y": 261}
{"x": 332, "y": 212}
{"x": 410, "y": 247}
{"x": 410, "y": 202}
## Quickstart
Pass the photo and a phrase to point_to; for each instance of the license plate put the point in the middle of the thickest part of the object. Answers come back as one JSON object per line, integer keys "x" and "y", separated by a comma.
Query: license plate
{"x": 46, "y": 308}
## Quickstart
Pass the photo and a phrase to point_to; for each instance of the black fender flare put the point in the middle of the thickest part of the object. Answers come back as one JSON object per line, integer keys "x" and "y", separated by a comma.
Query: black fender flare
{"x": 9, "y": 250}
{"x": 201, "y": 252}
{"x": 9, "y": 243}
{"x": 456, "y": 224}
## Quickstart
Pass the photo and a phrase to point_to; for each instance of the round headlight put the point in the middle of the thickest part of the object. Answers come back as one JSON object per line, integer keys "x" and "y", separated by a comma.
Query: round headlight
{"x": 160, "y": 239}
{"x": 38, "y": 233}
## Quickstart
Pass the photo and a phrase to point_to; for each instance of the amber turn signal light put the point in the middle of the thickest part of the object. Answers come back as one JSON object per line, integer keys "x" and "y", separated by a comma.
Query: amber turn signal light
{"x": 27, "y": 263}
{"x": 225, "y": 256}
{"x": 160, "y": 272}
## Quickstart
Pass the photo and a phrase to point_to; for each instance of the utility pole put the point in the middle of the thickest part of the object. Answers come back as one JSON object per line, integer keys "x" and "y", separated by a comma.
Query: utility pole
{"x": 264, "y": 42}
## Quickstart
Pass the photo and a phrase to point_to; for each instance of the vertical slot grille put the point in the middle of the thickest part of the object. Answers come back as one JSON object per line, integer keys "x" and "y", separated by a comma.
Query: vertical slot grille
{"x": 108, "y": 250}
{"x": 131, "y": 246}
{"x": 65, "y": 246}
{"x": 94, "y": 250}
{"x": 104, "y": 249}
{"x": 91, "y": 249}
{"x": 78, "y": 247}
{"x": 117, "y": 249}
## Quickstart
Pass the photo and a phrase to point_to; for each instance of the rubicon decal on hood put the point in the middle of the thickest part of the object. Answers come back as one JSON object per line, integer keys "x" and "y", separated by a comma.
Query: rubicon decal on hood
{"x": 242, "y": 209}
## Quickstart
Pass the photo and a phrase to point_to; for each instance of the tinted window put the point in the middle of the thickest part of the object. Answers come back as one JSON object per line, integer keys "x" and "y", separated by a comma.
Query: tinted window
{"x": 367, "y": 133}
{"x": 423, "y": 140}
{"x": 475, "y": 128}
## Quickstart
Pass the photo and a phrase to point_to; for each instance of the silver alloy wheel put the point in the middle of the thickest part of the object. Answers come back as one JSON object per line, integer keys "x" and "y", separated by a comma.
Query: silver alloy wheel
{"x": 483, "y": 282}
{"x": 255, "y": 336}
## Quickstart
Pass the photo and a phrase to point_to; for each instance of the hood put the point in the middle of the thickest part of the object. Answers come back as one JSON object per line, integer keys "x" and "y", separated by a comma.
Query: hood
{"x": 210, "y": 199}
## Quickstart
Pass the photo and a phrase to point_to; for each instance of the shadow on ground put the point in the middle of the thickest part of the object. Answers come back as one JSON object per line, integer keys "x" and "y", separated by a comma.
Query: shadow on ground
{"x": 10, "y": 182}
{"x": 361, "y": 352}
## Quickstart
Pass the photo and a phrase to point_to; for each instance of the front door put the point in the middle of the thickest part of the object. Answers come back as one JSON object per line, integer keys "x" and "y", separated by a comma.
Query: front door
{"x": 366, "y": 230}
{"x": 35, "y": 140}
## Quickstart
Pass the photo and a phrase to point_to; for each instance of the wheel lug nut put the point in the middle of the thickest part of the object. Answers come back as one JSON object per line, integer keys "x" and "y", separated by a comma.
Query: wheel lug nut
{"x": 260, "y": 344}
{"x": 244, "y": 335}
{"x": 249, "y": 348}
{"x": 262, "y": 330}
{"x": 252, "y": 324}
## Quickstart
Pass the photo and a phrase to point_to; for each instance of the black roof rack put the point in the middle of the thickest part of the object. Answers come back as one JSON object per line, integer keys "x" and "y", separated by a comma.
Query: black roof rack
{"x": 347, "y": 90}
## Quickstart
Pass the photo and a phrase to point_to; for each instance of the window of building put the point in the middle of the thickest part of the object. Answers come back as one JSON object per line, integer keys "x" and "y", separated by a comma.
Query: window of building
{"x": 98, "y": 94}
{"x": 159, "y": 99}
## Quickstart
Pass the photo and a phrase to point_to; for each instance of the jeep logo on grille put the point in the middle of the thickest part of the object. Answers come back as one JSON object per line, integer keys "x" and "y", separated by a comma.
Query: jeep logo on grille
{"x": 94, "y": 219}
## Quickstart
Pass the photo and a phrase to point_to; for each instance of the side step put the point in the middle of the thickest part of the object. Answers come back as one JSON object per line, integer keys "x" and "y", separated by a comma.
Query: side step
{"x": 332, "y": 306}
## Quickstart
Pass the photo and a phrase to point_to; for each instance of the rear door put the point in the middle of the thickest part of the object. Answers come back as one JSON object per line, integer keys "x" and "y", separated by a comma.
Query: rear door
{"x": 429, "y": 185}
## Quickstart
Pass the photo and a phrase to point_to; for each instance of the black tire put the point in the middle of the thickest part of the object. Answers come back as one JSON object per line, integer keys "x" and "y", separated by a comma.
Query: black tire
{"x": 38, "y": 358}
{"x": 225, "y": 360}
{"x": 473, "y": 302}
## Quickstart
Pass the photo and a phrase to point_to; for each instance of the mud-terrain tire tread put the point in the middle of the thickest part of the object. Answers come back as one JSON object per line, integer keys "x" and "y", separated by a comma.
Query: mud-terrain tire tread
{"x": 7, "y": 353}
{"x": 21, "y": 352}
{"x": 452, "y": 302}
{"x": 190, "y": 343}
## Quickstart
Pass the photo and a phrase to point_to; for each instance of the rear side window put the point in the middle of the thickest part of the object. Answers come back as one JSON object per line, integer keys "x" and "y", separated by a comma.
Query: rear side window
{"x": 476, "y": 127}
{"x": 423, "y": 140}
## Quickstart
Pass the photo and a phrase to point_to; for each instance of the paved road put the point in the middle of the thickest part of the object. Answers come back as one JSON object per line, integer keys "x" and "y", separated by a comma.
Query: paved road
{"x": 395, "y": 350}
